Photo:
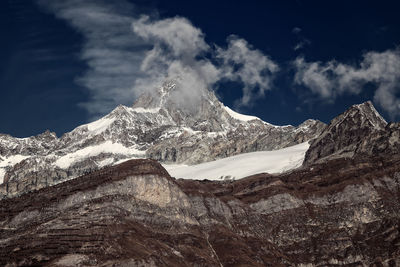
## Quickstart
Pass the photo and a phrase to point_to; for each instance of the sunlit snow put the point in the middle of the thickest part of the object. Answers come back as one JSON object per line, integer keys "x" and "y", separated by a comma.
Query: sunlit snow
{"x": 243, "y": 165}
{"x": 106, "y": 147}
{"x": 239, "y": 116}
{"x": 242, "y": 117}
{"x": 146, "y": 110}
{"x": 10, "y": 161}
{"x": 100, "y": 125}
{"x": 2, "y": 173}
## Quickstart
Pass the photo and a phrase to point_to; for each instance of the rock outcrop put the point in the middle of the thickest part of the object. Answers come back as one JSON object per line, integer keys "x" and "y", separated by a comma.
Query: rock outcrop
{"x": 341, "y": 212}
{"x": 360, "y": 131}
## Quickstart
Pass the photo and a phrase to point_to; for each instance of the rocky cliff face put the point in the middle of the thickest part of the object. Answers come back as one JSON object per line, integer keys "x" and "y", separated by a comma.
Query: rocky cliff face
{"x": 155, "y": 127}
{"x": 341, "y": 212}
{"x": 359, "y": 131}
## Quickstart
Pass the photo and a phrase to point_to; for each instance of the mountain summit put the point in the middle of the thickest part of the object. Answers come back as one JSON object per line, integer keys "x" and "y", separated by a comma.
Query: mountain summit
{"x": 360, "y": 130}
{"x": 211, "y": 130}
{"x": 157, "y": 126}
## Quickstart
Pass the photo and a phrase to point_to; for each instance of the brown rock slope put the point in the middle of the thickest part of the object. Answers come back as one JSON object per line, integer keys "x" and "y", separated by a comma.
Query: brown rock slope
{"x": 342, "y": 212}
{"x": 359, "y": 131}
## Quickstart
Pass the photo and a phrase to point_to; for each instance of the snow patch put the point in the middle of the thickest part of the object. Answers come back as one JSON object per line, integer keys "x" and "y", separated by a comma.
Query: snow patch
{"x": 100, "y": 125}
{"x": 246, "y": 118}
{"x": 2, "y": 173}
{"x": 190, "y": 131}
{"x": 239, "y": 116}
{"x": 243, "y": 165}
{"x": 105, "y": 162}
{"x": 8, "y": 162}
{"x": 106, "y": 147}
{"x": 12, "y": 160}
{"x": 146, "y": 110}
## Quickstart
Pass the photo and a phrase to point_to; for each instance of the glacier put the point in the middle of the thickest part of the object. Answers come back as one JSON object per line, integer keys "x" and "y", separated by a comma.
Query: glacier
{"x": 243, "y": 165}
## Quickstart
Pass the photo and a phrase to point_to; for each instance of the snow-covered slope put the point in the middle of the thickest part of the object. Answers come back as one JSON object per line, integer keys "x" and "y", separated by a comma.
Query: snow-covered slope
{"x": 239, "y": 116}
{"x": 107, "y": 147}
{"x": 9, "y": 161}
{"x": 242, "y": 165}
{"x": 157, "y": 127}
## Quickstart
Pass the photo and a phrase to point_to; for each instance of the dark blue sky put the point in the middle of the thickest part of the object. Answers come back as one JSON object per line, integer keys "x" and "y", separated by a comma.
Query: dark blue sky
{"x": 40, "y": 56}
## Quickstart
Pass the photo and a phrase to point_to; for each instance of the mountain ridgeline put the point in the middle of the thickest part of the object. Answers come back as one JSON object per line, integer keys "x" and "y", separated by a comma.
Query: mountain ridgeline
{"x": 155, "y": 127}
{"x": 359, "y": 132}
{"x": 340, "y": 208}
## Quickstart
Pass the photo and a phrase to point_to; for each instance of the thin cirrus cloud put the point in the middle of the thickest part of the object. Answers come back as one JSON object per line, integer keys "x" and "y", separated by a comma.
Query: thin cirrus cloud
{"x": 128, "y": 53}
{"x": 331, "y": 79}
{"x": 113, "y": 54}
{"x": 301, "y": 40}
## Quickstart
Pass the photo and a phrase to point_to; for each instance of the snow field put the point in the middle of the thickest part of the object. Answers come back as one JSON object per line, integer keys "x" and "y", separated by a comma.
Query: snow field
{"x": 107, "y": 147}
{"x": 243, "y": 165}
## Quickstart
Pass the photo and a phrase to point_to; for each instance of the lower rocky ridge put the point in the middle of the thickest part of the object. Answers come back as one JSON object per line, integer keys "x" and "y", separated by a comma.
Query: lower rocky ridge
{"x": 341, "y": 212}
{"x": 359, "y": 131}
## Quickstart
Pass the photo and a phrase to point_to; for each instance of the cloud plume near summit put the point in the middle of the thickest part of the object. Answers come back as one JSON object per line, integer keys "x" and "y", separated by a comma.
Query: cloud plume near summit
{"x": 128, "y": 53}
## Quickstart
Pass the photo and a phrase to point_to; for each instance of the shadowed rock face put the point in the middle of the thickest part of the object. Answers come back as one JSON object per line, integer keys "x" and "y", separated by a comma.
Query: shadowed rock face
{"x": 341, "y": 212}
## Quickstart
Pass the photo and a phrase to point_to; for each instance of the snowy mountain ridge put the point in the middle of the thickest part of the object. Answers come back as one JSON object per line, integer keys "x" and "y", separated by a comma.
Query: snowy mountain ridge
{"x": 157, "y": 126}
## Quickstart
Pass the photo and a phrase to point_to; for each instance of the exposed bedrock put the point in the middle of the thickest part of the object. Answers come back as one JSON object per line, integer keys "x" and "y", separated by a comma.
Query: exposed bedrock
{"x": 342, "y": 212}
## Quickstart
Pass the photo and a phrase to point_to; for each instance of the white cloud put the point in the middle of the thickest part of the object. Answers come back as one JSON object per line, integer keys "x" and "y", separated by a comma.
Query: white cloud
{"x": 296, "y": 30}
{"x": 302, "y": 41}
{"x": 316, "y": 76}
{"x": 182, "y": 38}
{"x": 128, "y": 54}
{"x": 178, "y": 52}
{"x": 243, "y": 63}
{"x": 301, "y": 44}
{"x": 112, "y": 52}
{"x": 330, "y": 79}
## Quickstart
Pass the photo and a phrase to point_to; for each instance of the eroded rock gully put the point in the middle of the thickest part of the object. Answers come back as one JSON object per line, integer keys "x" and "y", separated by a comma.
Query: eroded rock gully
{"x": 341, "y": 212}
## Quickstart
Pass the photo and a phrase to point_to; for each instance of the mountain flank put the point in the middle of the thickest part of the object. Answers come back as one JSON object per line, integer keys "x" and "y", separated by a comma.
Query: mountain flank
{"x": 341, "y": 212}
{"x": 360, "y": 131}
{"x": 156, "y": 127}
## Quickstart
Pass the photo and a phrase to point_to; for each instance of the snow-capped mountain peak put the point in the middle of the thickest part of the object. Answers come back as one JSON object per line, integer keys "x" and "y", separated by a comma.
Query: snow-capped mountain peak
{"x": 157, "y": 126}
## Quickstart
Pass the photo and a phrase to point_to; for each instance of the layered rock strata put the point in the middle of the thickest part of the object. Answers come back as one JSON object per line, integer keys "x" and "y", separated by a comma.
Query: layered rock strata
{"x": 341, "y": 212}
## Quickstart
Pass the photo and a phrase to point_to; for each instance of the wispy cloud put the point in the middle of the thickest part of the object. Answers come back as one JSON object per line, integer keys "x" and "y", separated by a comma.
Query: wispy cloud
{"x": 331, "y": 79}
{"x": 128, "y": 53}
{"x": 301, "y": 44}
{"x": 302, "y": 41}
{"x": 113, "y": 54}
{"x": 241, "y": 62}
{"x": 296, "y": 30}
